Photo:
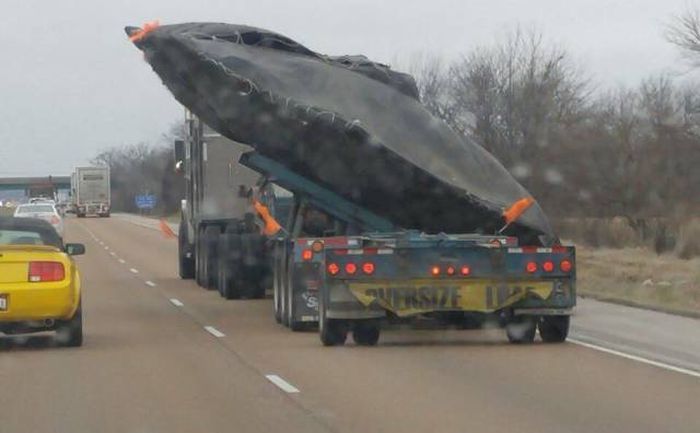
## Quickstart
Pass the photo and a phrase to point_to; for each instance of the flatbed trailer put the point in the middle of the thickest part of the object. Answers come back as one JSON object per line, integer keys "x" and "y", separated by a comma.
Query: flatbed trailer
{"x": 357, "y": 271}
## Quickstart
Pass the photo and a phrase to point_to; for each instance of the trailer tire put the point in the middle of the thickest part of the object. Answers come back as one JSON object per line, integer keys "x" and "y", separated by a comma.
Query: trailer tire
{"x": 276, "y": 275}
{"x": 283, "y": 284}
{"x": 332, "y": 332}
{"x": 254, "y": 269}
{"x": 521, "y": 329}
{"x": 210, "y": 245}
{"x": 199, "y": 258}
{"x": 228, "y": 265}
{"x": 366, "y": 333}
{"x": 554, "y": 329}
{"x": 186, "y": 265}
{"x": 294, "y": 325}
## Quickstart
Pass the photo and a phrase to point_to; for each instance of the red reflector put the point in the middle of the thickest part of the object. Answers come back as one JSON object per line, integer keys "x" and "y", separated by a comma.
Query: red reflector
{"x": 435, "y": 270}
{"x": 450, "y": 270}
{"x": 333, "y": 268}
{"x": 531, "y": 267}
{"x": 340, "y": 252}
{"x": 307, "y": 255}
{"x": 370, "y": 250}
{"x": 548, "y": 266}
{"x": 466, "y": 270}
{"x": 558, "y": 249}
{"x": 529, "y": 249}
{"x": 350, "y": 268}
{"x": 565, "y": 266}
{"x": 368, "y": 268}
{"x": 46, "y": 271}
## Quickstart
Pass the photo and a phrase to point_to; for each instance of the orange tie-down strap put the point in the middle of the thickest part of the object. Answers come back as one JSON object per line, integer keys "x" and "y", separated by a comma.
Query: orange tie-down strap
{"x": 271, "y": 225}
{"x": 146, "y": 29}
{"x": 517, "y": 209}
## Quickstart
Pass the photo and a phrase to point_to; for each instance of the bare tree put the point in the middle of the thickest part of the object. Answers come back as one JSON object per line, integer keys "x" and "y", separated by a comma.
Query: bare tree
{"x": 684, "y": 32}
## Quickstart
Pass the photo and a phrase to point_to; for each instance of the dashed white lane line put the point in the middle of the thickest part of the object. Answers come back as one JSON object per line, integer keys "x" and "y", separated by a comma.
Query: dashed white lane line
{"x": 106, "y": 247}
{"x": 112, "y": 253}
{"x": 122, "y": 261}
{"x": 134, "y": 271}
{"x": 636, "y": 358}
{"x": 176, "y": 302}
{"x": 282, "y": 384}
{"x": 215, "y": 332}
{"x": 150, "y": 283}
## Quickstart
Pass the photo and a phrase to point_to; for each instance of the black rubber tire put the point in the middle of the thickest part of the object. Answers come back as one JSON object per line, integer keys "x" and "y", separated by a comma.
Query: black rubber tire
{"x": 229, "y": 283}
{"x": 199, "y": 258}
{"x": 276, "y": 285}
{"x": 185, "y": 264}
{"x": 294, "y": 324}
{"x": 521, "y": 329}
{"x": 69, "y": 333}
{"x": 332, "y": 332}
{"x": 283, "y": 285}
{"x": 211, "y": 256}
{"x": 255, "y": 268}
{"x": 554, "y": 329}
{"x": 366, "y": 333}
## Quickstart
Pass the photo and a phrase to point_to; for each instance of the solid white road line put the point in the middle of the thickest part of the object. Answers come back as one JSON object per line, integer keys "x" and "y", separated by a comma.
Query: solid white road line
{"x": 636, "y": 358}
{"x": 122, "y": 261}
{"x": 281, "y": 383}
{"x": 134, "y": 271}
{"x": 176, "y": 302}
{"x": 150, "y": 283}
{"x": 215, "y": 332}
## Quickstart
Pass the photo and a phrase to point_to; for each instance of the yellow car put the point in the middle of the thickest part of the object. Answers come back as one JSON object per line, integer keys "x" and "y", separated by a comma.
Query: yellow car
{"x": 39, "y": 281}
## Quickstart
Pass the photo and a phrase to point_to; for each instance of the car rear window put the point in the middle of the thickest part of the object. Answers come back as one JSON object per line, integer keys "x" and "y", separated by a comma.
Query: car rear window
{"x": 35, "y": 209}
{"x": 20, "y": 237}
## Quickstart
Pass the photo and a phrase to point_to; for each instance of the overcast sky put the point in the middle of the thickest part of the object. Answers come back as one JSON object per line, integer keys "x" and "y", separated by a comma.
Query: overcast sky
{"x": 71, "y": 84}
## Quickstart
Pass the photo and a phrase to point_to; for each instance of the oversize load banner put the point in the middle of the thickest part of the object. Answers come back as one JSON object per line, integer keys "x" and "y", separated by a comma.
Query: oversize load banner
{"x": 422, "y": 296}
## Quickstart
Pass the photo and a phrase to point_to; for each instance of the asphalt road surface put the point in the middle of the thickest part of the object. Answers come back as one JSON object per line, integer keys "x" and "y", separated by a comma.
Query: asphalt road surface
{"x": 162, "y": 355}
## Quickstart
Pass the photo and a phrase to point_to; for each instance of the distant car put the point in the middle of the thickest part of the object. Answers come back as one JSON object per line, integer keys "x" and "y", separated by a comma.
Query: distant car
{"x": 42, "y": 200}
{"x": 39, "y": 281}
{"x": 43, "y": 211}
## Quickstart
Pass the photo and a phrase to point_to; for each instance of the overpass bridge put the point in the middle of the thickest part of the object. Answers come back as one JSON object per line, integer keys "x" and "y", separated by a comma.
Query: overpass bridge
{"x": 28, "y": 184}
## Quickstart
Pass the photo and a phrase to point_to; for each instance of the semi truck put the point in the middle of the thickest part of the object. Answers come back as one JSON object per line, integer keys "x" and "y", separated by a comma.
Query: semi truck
{"x": 91, "y": 191}
{"x": 220, "y": 244}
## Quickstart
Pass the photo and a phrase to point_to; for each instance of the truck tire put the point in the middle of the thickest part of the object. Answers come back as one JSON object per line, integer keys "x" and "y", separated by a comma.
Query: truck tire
{"x": 255, "y": 268}
{"x": 276, "y": 284}
{"x": 210, "y": 240}
{"x": 521, "y": 329}
{"x": 294, "y": 324}
{"x": 332, "y": 332}
{"x": 554, "y": 329}
{"x": 229, "y": 266}
{"x": 199, "y": 257}
{"x": 185, "y": 264}
{"x": 69, "y": 333}
{"x": 366, "y": 332}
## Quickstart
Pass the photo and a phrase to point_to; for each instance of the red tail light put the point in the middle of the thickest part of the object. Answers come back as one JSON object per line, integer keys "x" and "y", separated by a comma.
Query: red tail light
{"x": 435, "y": 270}
{"x": 465, "y": 270}
{"x": 565, "y": 266}
{"x": 307, "y": 255}
{"x": 368, "y": 268}
{"x": 333, "y": 268}
{"x": 350, "y": 268}
{"x": 531, "y": 267}
{"x": 46, "y": 271}
{"x": 548, "y": 266}
{"x": 450, "y": 270}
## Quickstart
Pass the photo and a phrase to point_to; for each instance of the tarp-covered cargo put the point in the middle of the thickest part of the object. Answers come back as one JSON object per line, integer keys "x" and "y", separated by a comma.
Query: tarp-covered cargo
{"x": 347, "y": 123}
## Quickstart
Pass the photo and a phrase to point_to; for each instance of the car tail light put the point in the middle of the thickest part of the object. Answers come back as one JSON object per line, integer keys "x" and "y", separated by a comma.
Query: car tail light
{"x": 46, "y": 271}
{"x": 307, "y": 255}
{"x": 531, "y": 267}
{"x": 465, "y": 270}
{"x": 565, "y": 266}
{"x": 368, "y": 268}
{"x": 350, "y": 268}
{"x": 548, "y": 266}
{"x": 333, "y": 268}
{"x": 450, "y": 270}
{"x": 435, "y": 270}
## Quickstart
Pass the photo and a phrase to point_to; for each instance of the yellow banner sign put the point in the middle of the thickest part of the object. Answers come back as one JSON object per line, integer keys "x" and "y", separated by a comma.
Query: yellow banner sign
{"x": 422, "y": 296}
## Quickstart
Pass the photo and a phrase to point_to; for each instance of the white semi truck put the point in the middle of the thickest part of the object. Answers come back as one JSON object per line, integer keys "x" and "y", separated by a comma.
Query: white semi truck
{"x": 91, "y": 191}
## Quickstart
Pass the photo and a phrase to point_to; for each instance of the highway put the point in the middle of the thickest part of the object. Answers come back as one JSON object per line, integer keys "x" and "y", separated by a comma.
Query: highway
{"x": 162, "y": 355}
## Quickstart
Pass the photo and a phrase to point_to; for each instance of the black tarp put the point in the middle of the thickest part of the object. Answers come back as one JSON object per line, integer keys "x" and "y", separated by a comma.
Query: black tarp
{"x": 352, "y": 125}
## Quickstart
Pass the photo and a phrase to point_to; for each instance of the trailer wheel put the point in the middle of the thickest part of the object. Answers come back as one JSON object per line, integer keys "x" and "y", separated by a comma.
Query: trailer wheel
{"x": 276, "y": 275}
{"x": 521, "y": 329}
{"x": 199, "y": 258}
{"x": 294, "y": 324}
{"x": 366, "y": 333}
{"x": 228, "y": 265}
{"x": 332, "y": 332}
{"x": 554, "y": 329}
{"x": 255, "y": 268}
{"x": 210, "y": 245}
{"x": 186, "y": 264}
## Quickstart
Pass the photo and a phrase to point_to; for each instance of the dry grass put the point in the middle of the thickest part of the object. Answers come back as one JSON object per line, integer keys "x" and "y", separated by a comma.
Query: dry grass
{"x": 641, "y": 276}
{"x": 6, "y": 211}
